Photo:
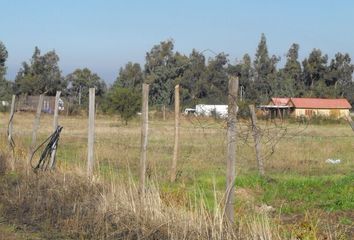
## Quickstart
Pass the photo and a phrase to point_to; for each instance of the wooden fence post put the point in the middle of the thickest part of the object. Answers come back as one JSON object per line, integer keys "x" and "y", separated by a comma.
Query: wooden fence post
{"x": 175, "y": 148}
{"x": 9, "y": 132}
{"x": 91, "y": 133}
{"x": 144, "y": 137}
{"x": 350, "y": 121}
{"x": 164, "y": 112}
{"x": 55, "y": 125}
{"x": 231, "y": 148}
{"x": 257, "y": 140}
{"x": 35, "y": 129}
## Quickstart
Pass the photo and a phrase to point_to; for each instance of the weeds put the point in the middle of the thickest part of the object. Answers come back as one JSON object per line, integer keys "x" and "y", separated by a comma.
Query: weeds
{"x": 300, "y": 189}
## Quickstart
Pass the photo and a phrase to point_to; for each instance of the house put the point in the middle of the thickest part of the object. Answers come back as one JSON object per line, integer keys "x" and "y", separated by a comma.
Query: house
{"x": 29, "y": 103}
{"x": 277, "y": 108}
{"x": 308, "y": 107}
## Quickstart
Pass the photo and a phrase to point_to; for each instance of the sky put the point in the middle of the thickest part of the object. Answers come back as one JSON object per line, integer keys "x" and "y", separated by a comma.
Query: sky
{"x": 104, "y": 35}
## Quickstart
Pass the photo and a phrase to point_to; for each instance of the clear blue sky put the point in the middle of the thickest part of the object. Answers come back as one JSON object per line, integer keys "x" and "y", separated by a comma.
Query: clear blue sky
{"x": 103, "y": 35}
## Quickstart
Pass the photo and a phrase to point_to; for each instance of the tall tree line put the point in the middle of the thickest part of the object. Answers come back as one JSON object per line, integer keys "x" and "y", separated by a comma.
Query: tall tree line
{"x": 202, "y": 79}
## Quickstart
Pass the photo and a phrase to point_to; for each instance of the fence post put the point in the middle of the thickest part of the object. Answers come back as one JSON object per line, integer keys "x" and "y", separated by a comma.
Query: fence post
{"x": 175, "y": 148}
{"x": 55, "y": 125}
{"x": 164, "y": 112}
{"x": 91, "y": 133}
{"x": 350, "y": 121}
{"x": 231, "y": 148}
{"x": 9, "y": 132}
{"x": 257, "y": 140}
{"x": 35, "y": 129}
{"x": 144, "y": 137}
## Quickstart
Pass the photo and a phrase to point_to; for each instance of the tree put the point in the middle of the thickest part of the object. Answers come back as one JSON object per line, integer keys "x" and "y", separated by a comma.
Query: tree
{"x": 246, "y": 79}
{"x": 5, "y": 86}
{"x": 125, "y": 101}
{"x": 292, "y": 72}
{"x": 292, "y": 67}
{"x": 216, "y": 79}
{"x": 79, "y": 83}
{"x": 131, "y": 76}
{"x": 340, "y": 72}
{"x": 192, "y": 80}
{"x": 6, "y": 89}
{"x": 41, "y": 75}
{"x": 163, "y": 70}
{"x": 265, "y": 71}
{"x": 3, "y": 57}
{"x": 315, "y": 68}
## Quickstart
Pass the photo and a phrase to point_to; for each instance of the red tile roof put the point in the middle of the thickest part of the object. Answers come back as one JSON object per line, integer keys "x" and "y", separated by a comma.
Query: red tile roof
{"x": 321, "y": 103}
{"x": 280, "y": 101}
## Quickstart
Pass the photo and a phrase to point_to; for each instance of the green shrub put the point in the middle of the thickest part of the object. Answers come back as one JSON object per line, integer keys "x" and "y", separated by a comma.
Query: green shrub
{"x": 125, "y": 101}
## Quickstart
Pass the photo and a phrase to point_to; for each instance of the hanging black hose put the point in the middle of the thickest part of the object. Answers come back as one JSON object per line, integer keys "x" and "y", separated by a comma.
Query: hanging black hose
{"x": 44, "y": 160}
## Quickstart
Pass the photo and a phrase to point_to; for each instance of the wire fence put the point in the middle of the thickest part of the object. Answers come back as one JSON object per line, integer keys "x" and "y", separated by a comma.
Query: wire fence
{"x": 203, "y": 141}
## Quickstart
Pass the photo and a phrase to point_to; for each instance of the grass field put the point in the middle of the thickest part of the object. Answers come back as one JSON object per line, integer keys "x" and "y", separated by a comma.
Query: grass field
{"x": 304, "y": 196}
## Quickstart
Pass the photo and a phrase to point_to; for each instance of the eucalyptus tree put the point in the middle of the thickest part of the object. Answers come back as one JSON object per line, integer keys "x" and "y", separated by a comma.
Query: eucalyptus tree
{"x": 265, "y": 71}
{"x": 131, "y": 76}
{"x": 80, "y": 81}
{"x": 41, "y": 75}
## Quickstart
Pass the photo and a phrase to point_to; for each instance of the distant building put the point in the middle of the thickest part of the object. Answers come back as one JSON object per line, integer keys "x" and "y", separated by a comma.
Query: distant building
{"x": 208, "y": 110}
{"x": 30, "y": 103}
{"x": 307, "y": 107}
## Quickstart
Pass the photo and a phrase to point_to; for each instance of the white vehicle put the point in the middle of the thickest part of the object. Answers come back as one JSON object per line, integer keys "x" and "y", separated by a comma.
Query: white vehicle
{"x": 60, "y": 105}
{"x": 210, "y": 110}
{"x": 189, "y": 111}
{"x": 5, "y": 103}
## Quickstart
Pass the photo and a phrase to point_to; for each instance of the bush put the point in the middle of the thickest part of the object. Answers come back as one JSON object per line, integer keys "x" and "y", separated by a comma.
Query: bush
{"x": 317, "y": 120}
{"x": 125, "y": 101}
{"x": 73, "y": 109}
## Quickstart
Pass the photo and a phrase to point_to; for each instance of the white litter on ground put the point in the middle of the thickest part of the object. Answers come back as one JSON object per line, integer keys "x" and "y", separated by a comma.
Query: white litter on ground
{"x": 333, "y": 161}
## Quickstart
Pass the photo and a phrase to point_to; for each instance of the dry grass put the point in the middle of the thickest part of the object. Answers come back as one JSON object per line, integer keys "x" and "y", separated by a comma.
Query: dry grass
{"x": 67, "y": 205}
{"x": 110, "y": 207}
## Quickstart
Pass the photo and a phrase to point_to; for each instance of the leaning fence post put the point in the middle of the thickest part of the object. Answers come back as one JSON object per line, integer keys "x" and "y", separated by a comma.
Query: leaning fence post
{"x": 35, "y": 129}
{"x": 231, "y": 148}
{"x": 9, "y": 132}
{"x": 55, "y": 125}
{"x": 144, "y": 137}
{"x": 257, "y": 140}
{"x": 350, "y": 121}
{"x": 91, "y": 133}
{"x": 175, "y": 148}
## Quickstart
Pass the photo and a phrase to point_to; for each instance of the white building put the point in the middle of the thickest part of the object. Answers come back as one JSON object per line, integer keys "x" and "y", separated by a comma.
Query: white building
{"x": 209, "y": 110}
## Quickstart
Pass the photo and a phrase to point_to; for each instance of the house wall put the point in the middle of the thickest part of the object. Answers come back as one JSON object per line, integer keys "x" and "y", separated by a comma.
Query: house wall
{"x": 334, "y": 113}
{"x": 29, "y": 103}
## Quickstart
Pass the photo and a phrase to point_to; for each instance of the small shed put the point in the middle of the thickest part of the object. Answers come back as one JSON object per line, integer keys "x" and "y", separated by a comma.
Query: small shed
{"x": 277, "y": 107}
